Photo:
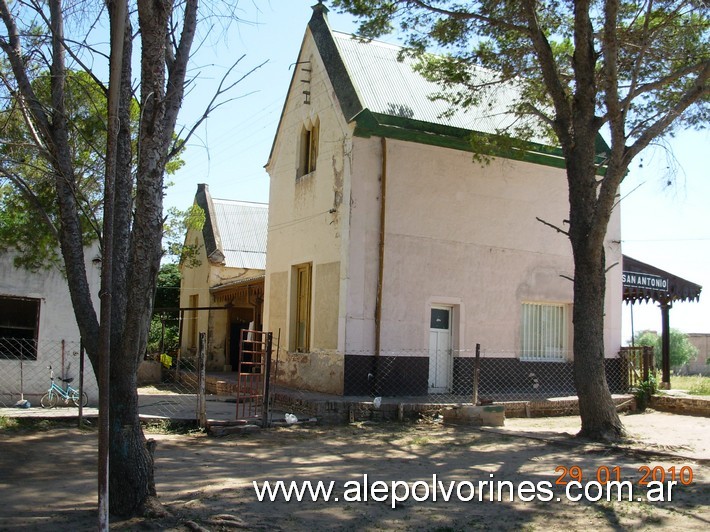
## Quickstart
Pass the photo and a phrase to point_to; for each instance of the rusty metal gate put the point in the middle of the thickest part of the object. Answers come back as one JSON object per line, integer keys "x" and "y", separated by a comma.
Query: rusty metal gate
{"x": 253, "y": 373}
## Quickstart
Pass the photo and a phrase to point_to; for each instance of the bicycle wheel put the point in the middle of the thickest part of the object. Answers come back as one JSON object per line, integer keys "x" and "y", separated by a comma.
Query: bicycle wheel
{"x": 75, "y": 399}
{"x": 49, "y": 400}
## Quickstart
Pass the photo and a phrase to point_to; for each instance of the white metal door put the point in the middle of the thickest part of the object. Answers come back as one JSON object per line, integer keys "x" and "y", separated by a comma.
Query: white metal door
{"x": 440, "y": 353}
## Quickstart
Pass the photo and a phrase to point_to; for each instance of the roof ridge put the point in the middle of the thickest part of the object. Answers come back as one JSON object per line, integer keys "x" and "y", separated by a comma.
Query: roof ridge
{"x": 259, "y": 203}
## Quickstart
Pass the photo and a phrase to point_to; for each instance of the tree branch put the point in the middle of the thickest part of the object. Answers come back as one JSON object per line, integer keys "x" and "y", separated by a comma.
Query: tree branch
{"x": 550, "y": 74}
{"x": 13, "y": 51}
{"x": 211, "y": 106}
{"x": 467, "y": 15}
{"x": 699, "y": 89}
{"x": 176, "y": 73}
{"x": 32, "y": 198}
{"x": 548, "y": 224}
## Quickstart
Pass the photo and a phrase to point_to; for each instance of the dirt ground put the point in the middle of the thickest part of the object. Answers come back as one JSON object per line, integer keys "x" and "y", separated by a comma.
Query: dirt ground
{"x": 48, "y": 479}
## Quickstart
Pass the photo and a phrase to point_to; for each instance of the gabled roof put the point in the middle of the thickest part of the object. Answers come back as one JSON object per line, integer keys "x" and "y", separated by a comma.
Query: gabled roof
{"x": 385, "y": 97}
{"x": 234, "y": 231}
{"x": 388, "y": 84}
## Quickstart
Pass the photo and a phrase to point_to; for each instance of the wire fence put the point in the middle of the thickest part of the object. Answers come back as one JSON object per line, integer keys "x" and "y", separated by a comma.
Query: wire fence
{"x": 408, "y": 383}
{"x": 322, "y": 384}
{"x": 25, "y": 373}
{"x": 447, "y": 376}
{"x": 25, "y": 378}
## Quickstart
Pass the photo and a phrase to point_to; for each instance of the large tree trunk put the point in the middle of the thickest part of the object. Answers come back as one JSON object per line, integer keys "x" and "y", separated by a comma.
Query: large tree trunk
{"x": 131, "y": 482}
{"x": 596, "y": 407}
{"x": 590, "y": 211}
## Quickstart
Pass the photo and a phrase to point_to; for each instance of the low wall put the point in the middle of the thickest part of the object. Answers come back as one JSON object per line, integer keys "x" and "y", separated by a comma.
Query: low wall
{"x": 149, "y": 372}
{"x": 689, "y": 406}
{"x": 320, "y": 371}
{"x": 349, "y": 411}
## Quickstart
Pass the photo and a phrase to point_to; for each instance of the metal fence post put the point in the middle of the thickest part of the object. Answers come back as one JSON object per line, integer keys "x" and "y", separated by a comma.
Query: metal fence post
{"x": 81, "y": 383}
{"x": 267, "y": 375}
{"x": 476, "y": 375}
{"x": 201, "y": 361}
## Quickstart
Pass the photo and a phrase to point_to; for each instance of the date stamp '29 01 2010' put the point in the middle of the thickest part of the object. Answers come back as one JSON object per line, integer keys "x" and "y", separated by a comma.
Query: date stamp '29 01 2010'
{"x": 603, "y": 474}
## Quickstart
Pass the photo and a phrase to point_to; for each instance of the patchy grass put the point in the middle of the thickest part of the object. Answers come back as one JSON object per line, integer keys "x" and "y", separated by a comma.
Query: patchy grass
{"x": 694, "y": 384}
{"x": 7, "y": 423}
{"x": 29, "y": 424}
{"x": 168, "y": 426}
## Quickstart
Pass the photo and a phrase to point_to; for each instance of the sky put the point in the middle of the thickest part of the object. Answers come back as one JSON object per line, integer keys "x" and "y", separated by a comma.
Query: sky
{"x": 665, "y": 206}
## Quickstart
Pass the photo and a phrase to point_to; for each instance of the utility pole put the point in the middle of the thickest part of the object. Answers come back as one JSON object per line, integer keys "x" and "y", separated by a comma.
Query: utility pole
{"x": 117, "y": 16}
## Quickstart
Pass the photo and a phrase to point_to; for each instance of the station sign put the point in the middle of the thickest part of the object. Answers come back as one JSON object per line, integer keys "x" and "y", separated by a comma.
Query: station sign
{"x": 644, "y": 280}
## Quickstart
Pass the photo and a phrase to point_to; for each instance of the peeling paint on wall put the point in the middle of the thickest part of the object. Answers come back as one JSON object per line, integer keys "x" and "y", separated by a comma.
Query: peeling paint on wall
{"x": 320, "y": 371}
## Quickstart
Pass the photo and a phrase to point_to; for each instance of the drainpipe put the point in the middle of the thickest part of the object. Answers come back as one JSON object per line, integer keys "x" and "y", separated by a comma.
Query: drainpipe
{"x": 381, "y": 267}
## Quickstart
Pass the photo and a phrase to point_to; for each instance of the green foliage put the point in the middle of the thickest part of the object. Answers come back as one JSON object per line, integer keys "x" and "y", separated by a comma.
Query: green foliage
{"x": 7, "y": 423}
{"x": 163, "y": 335}
{"x": 681, "y": 350}
{"x": 644, "y": 392}
{"x": 167, "y": 294}
{"x": 29, "y": 214}
{"x": 662, "y": 48}
{"x": 175, "y": 227}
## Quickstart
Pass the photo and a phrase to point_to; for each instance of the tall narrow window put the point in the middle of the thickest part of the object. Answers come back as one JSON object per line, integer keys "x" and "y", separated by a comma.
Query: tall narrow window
{"x": 308, "y": 149}
{"x": 544, "y": 332}
{"x": 192, "y": 321}
{"x": 302, "y": 310}
{"x": 19, "y": 324}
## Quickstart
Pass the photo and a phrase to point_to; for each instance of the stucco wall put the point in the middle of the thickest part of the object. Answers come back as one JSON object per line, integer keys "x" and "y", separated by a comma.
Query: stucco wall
{"x": 701, "y": 365}
{"x": 325, "y": 306}
{"x": 56, "y": 325}
{"x": 307, "y": 215}
{"x": 463, "y": 234}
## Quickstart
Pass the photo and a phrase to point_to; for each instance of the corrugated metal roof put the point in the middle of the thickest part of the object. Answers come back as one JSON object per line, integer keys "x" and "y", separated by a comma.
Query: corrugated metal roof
{"x": 388, "y": 86}
{"x": 242, "y": 229}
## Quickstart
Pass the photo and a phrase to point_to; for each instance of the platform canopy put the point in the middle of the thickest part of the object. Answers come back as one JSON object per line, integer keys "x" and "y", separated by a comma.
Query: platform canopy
{"x": 643, "y": 282}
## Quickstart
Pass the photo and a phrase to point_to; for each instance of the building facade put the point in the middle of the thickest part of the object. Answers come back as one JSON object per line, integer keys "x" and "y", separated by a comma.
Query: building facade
{"x": 392, "y": 252}
{"x": 222, "y": 293}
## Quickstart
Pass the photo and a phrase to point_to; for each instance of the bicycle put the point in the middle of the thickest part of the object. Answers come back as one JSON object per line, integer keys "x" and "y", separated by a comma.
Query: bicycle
{"x": 50, "y": 399}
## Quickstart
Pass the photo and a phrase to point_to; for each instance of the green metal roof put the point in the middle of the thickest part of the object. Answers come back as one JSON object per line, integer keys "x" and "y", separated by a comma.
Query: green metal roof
{"x": 386, "y": 97}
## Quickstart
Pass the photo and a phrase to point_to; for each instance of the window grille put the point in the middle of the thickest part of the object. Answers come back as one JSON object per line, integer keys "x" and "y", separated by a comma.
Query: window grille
{"x": 544, "y": 332}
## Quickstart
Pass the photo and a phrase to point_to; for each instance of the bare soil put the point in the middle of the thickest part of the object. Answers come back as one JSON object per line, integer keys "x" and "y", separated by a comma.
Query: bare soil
{"x": 48, "y": 478}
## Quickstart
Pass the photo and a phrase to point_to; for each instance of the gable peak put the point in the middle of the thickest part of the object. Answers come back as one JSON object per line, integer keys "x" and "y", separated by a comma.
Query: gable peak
{"x": 319, "y": 10}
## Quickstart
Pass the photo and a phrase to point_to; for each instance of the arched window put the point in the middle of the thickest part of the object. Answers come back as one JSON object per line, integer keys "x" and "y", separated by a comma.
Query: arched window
{"x": 308, "y": 149}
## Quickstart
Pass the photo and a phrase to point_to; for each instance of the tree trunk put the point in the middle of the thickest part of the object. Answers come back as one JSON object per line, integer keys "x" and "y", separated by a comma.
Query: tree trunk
{"x": 131, "y": 482}
{"x": 600, "y": 420}
{"x": 138, "y": 213}
{"x": 589, "y": 216}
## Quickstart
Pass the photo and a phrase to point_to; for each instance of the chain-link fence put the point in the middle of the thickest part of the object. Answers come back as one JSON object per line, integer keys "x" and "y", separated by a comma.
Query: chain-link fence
{"x": 164, "y": 391}
{"x": 25, "y": 369}
{"x": 422, "y": 381}
{"x": 319, "y": 384}
{"x": 450, "y": 376}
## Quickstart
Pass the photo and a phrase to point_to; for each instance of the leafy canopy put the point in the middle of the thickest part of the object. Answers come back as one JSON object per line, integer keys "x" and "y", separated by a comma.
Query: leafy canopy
{"x": 29, "y": 213}
{"x": 681, "y": 350}
{"x": 649, "y": 55}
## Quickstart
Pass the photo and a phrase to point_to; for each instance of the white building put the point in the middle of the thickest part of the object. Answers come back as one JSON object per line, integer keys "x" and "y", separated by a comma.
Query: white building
{"x": 38, "y": 329}
{"x": 391, "y": 252}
